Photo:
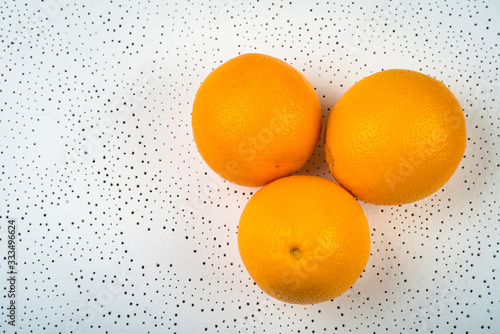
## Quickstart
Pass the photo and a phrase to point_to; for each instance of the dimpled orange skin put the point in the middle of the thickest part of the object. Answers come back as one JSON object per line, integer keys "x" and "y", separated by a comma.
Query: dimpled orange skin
{"x": 255, "y": 119}
{"x": 395, "y": 137}
{"x": 303, "y": 239}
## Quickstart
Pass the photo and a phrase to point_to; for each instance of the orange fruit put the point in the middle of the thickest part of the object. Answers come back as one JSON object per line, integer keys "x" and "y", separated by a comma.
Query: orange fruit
{"x": 303, "y": 239}
{"x": 395, "y": 137}
{"x": 255, "y": 119}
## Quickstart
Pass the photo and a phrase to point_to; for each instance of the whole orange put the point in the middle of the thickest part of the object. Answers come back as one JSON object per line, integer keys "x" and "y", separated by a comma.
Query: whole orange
{"x": 255, "y": 119}
{"x": 395, "y": 137}
{"x": 303, "y": 239}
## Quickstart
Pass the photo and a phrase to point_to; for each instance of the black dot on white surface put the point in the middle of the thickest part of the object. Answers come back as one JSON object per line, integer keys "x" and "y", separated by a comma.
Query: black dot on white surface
{"x": 121, "y": 226}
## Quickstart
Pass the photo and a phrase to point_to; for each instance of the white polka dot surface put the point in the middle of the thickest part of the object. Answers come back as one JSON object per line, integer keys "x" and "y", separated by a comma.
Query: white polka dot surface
{"x": 122, "y": 228}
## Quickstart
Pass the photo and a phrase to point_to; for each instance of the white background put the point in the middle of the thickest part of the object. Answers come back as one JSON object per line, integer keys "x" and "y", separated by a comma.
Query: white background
{"x": 122, "y": 228}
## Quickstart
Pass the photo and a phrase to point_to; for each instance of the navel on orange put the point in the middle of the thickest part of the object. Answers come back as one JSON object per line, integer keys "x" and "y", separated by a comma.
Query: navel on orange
{"x": 255, "y": 119}
{"x": 303, "y": 239}
{"x": 395, "y": 137}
